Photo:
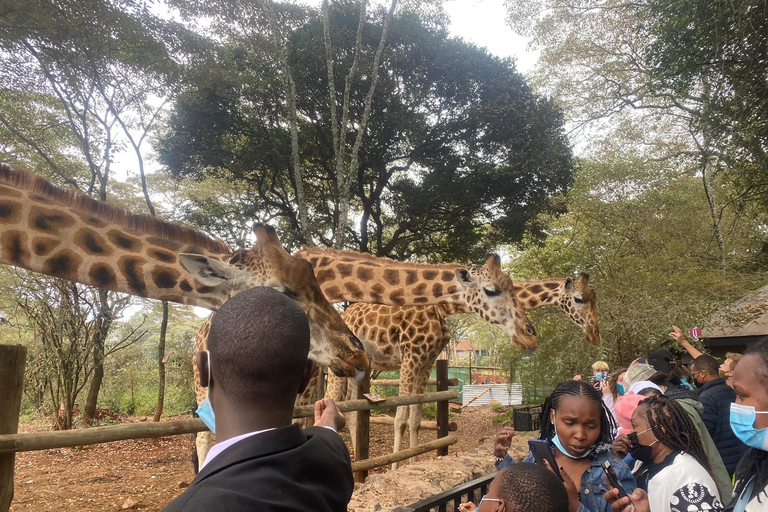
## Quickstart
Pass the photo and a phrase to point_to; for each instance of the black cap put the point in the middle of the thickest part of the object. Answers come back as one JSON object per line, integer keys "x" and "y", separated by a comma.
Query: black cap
{"x": 661, "y": 359}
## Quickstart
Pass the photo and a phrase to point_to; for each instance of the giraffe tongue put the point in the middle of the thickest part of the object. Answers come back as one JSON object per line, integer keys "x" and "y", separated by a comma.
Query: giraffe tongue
{"x": 359, "y": 374}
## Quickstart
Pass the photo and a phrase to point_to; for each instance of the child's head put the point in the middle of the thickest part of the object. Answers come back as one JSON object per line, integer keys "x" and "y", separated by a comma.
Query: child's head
{"x": 525, "y": 487}
{"x": 575, "y": 412}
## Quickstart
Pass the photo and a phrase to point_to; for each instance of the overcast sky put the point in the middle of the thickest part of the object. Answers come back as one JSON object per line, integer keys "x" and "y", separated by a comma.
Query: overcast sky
{"x": 483, "y": 22}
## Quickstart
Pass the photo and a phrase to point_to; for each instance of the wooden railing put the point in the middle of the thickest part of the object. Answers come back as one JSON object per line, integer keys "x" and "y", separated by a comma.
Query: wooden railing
{"x": 12, "y": 363}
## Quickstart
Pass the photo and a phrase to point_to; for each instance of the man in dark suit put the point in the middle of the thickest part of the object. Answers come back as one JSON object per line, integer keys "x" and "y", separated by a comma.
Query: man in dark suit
{"x": 716, "y": 396}
{"x": 255, "y": 365}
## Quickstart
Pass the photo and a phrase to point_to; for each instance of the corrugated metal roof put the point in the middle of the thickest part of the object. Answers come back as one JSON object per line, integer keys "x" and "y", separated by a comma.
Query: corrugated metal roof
{"x": 504, "y": 394}
{"x": 747, "y": 316}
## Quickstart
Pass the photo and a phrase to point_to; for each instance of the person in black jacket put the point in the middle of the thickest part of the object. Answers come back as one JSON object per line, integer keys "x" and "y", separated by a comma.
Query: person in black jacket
{"x": 716, "y": 396}
{"x": 255, "y": 366}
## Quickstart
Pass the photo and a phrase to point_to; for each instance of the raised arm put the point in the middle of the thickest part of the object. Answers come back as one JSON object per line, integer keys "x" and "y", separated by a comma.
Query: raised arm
{"x": 679, "y": 337}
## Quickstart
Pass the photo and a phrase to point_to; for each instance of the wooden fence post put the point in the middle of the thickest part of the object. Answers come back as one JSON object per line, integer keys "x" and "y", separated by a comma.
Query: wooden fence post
{"x": 12, "y": 361}
{"x": 363, "y": 430}
{"x": 442, "y": 407}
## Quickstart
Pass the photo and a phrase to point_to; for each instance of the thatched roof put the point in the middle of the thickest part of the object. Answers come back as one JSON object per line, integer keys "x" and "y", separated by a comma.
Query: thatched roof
{"x": 747, "y": 316}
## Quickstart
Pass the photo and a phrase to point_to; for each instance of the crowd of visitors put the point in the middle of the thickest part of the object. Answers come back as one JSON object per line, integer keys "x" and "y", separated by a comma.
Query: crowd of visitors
{"x": 696, "y": 438}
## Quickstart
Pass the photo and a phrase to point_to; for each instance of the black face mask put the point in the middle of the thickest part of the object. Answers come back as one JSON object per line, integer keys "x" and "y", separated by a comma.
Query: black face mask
{"x": 639, "y": 451}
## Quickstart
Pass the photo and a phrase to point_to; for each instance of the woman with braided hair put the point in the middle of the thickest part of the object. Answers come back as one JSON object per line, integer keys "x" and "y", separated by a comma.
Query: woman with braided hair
{"x": 672, "y": 465}
{"x": 579, "y": 429}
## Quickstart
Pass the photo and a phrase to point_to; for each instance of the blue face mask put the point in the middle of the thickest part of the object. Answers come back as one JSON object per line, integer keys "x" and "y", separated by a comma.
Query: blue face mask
{"x": 742, "y": 422}
{"x": 204, "y": 410}
{"x": 620, "y": 389}
{"x": 600, "y": 375}
{"x": 559, "y": 445}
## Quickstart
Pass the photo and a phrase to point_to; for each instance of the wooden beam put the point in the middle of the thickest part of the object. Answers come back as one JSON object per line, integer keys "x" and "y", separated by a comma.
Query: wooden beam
{"x": 396, "y": 382}
{"x": 425, "y": 424}
{"x": 385, "y": 460}
{"x": 442, "y": 407}
{"x": 362, "y": 428}
{"x": 12, "y": 362}
{"x": 47, "y": 440}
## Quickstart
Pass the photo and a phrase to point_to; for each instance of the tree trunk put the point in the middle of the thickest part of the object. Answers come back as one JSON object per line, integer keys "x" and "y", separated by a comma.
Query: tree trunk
{"x": 161, "y": 363}
{"x": 104, "y": 322}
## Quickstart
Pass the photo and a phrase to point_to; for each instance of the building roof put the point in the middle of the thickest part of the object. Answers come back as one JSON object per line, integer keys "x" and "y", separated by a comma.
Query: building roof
{"x": 465, "y": 345}
{"x": 747, "y": 316}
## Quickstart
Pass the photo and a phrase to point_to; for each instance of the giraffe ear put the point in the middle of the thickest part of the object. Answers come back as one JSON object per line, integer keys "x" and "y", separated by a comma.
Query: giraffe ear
{"x": 568, "y": 283}
{"x": 207, "y": 271}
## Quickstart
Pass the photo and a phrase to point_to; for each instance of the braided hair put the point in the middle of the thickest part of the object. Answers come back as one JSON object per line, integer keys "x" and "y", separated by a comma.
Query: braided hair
{"x": 673, "y": 427}
{"x": 608, "y": 425}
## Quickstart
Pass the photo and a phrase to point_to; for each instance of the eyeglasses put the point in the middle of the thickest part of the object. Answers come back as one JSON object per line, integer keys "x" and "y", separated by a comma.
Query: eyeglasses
{"x": 694, "y": 374}
{"x": 487, "y": 499}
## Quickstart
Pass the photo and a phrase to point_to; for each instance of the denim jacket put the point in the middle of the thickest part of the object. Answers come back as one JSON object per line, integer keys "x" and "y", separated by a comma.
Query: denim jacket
{"x": 593, "y": 485}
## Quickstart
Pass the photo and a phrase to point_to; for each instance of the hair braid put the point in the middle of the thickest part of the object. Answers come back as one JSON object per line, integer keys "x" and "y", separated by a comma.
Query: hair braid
{"x": 608, "y": 424}
{"x": 673, "y": 427}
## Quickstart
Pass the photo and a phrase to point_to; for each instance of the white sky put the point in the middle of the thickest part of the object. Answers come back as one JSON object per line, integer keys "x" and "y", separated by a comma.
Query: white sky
{"x": 482, "y": 22}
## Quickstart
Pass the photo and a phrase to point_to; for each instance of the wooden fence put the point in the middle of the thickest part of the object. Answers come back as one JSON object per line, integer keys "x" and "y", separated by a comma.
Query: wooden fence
{"x": 12, "y": 363}
{"x": 470, "y": 491}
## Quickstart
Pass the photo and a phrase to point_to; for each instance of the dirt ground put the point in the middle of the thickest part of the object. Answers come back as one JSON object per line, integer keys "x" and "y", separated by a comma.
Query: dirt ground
{"x": 146, "y": 474}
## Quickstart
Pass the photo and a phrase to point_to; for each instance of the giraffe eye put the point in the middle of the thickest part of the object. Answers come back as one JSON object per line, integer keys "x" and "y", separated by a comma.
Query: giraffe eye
{"x": 579, "y": 300}
{"x": 492, "y": 292}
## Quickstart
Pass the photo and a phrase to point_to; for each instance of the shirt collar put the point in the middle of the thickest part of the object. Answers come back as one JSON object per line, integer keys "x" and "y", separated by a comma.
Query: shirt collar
{"x": 220, "y": 447}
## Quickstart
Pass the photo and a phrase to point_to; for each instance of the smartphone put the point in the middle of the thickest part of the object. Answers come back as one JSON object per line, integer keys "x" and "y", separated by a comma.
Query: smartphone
{"x": 613, "y": 478}
{"x": 542, "y": 452}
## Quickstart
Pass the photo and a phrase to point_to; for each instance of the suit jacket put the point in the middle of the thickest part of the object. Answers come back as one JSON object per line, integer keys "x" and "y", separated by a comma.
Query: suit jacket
{"x": 286, "y": 469}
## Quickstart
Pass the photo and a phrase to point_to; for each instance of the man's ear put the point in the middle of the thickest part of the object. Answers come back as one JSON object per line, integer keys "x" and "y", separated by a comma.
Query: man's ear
{"x": 309, "y": 372}
{"x": 202, "y": 361}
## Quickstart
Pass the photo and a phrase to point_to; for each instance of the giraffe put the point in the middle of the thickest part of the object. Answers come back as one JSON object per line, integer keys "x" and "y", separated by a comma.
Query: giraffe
{"x": 422, "y": 334}
{"x": 64, "y": 233}
{"x": 346, "y": 276}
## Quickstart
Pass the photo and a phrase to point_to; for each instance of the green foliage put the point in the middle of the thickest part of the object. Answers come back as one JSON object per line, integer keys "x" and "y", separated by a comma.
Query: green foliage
{"x": 641, "y": 232}
{"x": 446, "y": 171}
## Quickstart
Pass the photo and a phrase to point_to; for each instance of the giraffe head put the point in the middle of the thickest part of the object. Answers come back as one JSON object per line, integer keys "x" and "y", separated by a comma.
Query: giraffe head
{"x": 579, "y": 302}
{"x": 267, "y": 263}
{"x": 490, "y": 294}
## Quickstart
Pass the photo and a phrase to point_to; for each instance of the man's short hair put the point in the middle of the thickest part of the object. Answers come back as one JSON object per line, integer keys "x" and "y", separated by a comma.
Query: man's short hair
{"x": 528, "y": 487}
{"x": 708, "y": 364}
{"x": 259, "y": 342}
{"x": 600, "y": 366}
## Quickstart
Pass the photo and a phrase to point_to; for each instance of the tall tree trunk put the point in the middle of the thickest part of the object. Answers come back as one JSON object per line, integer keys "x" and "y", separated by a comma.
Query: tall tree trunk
{"x": 161, "y": 363}
{"x": 301, "y": 199}
{"x": 104, "y": 322}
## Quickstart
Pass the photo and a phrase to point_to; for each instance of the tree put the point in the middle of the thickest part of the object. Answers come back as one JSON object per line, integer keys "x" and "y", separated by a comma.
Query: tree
{"x": 717, "y": 52}
{"x": 64, "y": 319}
{"x": 96, "y": 66}
{"x": 461, "y": 153}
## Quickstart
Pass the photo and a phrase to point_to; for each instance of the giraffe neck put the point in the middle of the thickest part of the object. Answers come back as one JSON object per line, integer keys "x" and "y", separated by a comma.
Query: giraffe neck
{"x": 539, "y": 293}
{"x": 346, "y": 276}
{"x": 64, "y": 233}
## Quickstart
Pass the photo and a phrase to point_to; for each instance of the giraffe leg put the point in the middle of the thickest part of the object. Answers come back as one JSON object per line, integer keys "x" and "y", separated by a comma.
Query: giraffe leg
{"x": 203, "y": 444}
{"x": 407, "y": 382}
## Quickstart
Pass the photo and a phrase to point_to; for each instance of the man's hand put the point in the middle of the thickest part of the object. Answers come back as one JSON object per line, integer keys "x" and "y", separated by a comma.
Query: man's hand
{"x": 328, "y": 415}
{"x": 678, "y": 335}
{"x": 638, "y": 503}
{"x": 577, "y": 377}
{"x": 503, "y": 441}
{"x": 621, "y": 446}
{"x": 467, "y": 507}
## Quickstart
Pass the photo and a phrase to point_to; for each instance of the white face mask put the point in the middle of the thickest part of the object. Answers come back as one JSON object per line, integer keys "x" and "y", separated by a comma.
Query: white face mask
{"x": 205, "y": 410}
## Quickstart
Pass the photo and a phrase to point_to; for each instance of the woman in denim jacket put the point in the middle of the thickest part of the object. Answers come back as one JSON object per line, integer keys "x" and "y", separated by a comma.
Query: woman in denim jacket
{"x": 580, "y": 430}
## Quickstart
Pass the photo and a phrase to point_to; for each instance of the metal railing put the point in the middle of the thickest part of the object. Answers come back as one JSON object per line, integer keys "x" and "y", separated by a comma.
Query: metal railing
{"x": 470, "y": 491}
